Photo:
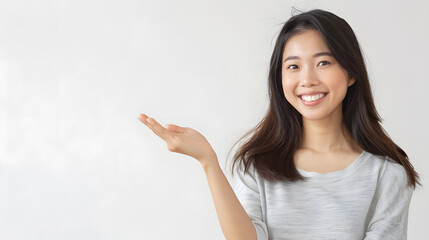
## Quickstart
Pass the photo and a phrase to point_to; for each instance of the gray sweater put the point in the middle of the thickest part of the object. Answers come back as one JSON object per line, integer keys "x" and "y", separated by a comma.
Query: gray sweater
{"x": 367, "y": 200}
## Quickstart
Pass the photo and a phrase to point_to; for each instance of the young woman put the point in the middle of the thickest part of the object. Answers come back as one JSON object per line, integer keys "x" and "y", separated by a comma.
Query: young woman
{"x": 319, "y": 165}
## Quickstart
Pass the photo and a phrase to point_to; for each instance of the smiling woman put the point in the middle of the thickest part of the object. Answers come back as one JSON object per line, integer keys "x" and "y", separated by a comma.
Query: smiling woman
{"x": 319, "y": 165}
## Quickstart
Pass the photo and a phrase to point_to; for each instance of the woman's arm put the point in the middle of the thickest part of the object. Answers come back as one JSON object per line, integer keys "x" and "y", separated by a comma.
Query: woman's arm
{"x": 390, "y": 205}
{"x": 234, "y": 221}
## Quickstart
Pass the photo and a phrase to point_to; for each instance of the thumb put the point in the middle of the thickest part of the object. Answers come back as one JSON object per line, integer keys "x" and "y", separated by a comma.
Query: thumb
{"x": 175, "y": 128}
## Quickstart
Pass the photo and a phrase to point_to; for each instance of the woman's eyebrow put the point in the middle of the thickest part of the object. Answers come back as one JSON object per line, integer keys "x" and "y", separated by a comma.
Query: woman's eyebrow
{"x": 315, "y": 55}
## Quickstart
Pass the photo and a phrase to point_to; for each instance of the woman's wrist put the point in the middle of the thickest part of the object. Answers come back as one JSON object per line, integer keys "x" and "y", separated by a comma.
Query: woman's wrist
{"x": 209, "y": 161}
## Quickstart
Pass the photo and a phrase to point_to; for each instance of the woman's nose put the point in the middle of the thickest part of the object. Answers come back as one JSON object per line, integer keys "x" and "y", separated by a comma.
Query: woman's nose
{"x": 308, "y": 78}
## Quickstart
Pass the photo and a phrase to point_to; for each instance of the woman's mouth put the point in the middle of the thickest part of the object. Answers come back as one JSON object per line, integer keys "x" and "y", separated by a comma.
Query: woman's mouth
{"x": 314, "y": 99}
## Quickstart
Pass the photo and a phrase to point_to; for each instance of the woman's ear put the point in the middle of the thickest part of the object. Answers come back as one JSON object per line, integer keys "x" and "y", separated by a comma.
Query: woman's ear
{"x": 351, "y": 81}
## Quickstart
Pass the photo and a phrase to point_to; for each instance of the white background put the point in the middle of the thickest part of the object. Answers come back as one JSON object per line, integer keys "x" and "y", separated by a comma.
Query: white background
{"x": 75, "y": 163}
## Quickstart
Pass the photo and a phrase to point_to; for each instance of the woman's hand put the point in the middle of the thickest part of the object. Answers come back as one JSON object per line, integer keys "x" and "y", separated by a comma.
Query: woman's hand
{"x": 182, "y": 140}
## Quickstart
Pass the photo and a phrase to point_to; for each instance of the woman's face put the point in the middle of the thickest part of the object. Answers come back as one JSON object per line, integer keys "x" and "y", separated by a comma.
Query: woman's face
{"x": 314, "y": 83}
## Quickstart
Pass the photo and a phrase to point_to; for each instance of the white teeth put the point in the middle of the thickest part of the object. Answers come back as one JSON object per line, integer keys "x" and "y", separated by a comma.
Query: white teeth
{"x": 312, "y": 98}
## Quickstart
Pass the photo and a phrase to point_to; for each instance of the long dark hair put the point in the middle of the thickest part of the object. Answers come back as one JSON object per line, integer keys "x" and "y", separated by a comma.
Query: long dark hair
{"x": 274, "y": 140}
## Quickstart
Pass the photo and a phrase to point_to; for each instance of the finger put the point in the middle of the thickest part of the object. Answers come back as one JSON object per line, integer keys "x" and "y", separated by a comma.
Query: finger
{"x": 175, "y": 128}
{"x": 143, "y": 118}
{"x": 158, "y": 129}
{"x": 171, "y": 127}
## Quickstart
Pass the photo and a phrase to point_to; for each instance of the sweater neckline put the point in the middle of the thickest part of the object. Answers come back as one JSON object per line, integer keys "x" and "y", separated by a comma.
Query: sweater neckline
{"x": 339, "y": 173}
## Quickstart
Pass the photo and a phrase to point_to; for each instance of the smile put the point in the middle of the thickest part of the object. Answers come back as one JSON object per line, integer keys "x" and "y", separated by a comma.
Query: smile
{"x": 312, "y": 98}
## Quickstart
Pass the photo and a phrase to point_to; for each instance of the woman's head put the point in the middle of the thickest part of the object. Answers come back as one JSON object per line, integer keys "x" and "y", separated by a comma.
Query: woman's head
{"x": 341, "y": 43}
{"x": 314, "y": 83}
{"x": 274, "y": 141}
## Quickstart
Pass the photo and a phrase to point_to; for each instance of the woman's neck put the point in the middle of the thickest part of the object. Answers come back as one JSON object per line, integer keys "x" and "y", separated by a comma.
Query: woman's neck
{"x": 327, "y": 135}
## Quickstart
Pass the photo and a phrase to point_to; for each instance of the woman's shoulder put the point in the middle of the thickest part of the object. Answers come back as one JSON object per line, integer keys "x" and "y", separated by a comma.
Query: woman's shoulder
{"x": 383, "y": 162}
{"x": 246, "y": 173}
{"x": 389, "y": 170}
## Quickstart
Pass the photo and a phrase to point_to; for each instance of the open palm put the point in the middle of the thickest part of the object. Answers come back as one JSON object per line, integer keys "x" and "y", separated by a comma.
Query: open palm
{"x": 182, "y": 140}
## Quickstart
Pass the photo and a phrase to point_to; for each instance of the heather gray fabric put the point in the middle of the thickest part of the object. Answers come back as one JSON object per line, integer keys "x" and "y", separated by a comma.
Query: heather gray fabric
{"x": 367, "y": 200}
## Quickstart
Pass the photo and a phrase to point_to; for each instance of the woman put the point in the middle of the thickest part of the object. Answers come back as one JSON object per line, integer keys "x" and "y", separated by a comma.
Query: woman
{"x": 319, "y": 165}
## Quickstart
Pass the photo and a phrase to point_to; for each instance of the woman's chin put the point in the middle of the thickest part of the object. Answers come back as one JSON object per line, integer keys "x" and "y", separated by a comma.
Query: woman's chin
{"x": 313, "y": 116}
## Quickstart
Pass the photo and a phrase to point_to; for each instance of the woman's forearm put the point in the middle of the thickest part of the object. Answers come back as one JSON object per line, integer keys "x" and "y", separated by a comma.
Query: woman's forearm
{"x": 234, "y": 221}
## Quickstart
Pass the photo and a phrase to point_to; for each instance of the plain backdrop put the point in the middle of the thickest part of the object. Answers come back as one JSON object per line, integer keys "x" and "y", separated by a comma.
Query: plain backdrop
{"x": 75, "y": 163}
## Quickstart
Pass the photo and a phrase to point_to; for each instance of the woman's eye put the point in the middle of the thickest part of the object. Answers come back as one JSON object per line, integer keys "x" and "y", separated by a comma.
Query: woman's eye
{"x": 293, "y": 66}
{"x": 323, "y": 63}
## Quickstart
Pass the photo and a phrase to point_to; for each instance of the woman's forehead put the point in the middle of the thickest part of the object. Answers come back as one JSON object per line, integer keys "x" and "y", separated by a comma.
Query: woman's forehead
{"x": 305, "y": 44}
